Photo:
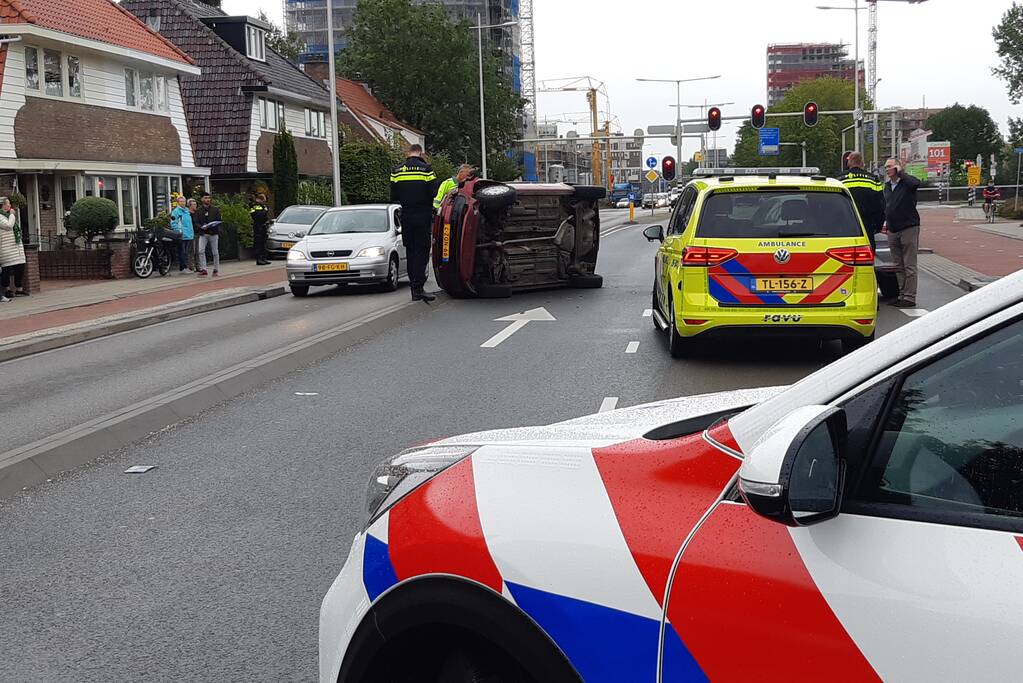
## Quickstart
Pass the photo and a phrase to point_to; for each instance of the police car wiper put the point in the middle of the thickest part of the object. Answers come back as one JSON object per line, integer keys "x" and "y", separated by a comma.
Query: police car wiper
{"x": 782, "y": 233}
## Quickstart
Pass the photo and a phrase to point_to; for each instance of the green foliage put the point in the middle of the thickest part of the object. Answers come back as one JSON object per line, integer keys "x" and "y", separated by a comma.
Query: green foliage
{"x": 823, "y": 141}
{"x": 1008, "y": 37}
{"x": 443, "y": 166}
{"x": 316, "y": 192}
{"x": 92, "y": 216}
{"x": 234, "y": 211}
{"x": 366, "y": 171}
{"x": 285, "y": 180}
{"x": 435, "y": 86}
{"x": 288, "y": 44}
{"x": 970, "y": 130}
{"x": 160, "y": 221}
{"x": 503, "y": 167}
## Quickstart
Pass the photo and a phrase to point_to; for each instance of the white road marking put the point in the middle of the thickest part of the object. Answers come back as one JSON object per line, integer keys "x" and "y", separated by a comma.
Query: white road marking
{"x": 914, "y": 312}
{"x": 609, "y": 403}
{"x": 306, "y": 393}
{"x": 633, "y": 347}
{"x": 647, "y": 312}
{"x": 518, "y": 321}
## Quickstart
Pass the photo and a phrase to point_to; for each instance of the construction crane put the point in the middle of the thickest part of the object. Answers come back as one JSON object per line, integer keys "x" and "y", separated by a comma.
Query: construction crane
{"x": 592, "y": 87}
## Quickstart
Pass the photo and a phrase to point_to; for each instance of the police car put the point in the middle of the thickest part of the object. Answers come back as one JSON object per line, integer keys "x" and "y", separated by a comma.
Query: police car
{"x": 864, "y": 524}
{"x": 764, "y": 252}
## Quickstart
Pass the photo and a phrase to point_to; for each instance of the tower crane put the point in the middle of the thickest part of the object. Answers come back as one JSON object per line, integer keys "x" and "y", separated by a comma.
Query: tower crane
{"x": 592, "y": 87}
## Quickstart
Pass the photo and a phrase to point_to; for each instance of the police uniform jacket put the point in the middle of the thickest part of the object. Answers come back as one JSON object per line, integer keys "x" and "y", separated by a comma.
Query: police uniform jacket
{"x": 414, "y": 185}
{"x": 868, "y": 193}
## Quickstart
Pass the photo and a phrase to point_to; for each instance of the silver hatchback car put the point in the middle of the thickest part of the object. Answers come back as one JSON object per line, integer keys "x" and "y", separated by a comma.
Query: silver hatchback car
{"x": 291, "y": 226}
{"x": 350, "y": 245}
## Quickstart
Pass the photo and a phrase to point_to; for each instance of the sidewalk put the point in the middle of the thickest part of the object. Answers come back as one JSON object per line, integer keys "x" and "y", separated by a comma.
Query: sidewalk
{"x": 966, "y": 248}
{"x": 62, "y": 304}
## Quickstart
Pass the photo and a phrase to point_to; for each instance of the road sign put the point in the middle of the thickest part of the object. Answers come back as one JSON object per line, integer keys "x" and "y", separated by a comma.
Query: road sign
{"x": 652, "y": 176}
{"x": 690, "y": 128}
{"x": 698, "y": 156}
{"x": 770, "y": 142}
{"x": 973, "y": 176}
{"x": 650, "y": 163}
{"x": 1018, "y": 150}
{"x": 661, "y": 130}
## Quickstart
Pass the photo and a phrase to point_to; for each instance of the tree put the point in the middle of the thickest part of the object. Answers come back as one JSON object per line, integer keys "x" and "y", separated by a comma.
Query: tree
{"x": 285, "y": 180}
{"x": 288, "y": 44}
{"x": 435, "y": 86}
{"x": 970, "y": 130}
{"x": 1009, "y": 46}
{"x": 823, "y": 141}
{"x": 366, "y": 171}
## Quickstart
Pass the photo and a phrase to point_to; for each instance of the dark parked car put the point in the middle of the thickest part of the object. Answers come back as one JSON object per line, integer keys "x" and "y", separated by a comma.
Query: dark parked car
{"x": 494, "y": 238}
{"x": 884, "y": 267}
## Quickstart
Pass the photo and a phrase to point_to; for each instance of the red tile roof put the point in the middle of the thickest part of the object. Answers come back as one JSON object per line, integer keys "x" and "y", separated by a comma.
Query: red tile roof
{"x": 101, "y": 20}
{"x": 357, "y": 98}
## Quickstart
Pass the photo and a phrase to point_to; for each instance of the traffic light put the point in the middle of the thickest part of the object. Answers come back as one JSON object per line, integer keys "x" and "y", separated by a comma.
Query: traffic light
{"x": 810, "y": 114}
{"x": 714, "y": 118}
{"x": 668, "y": 168}
{"x": 758, "y": 116}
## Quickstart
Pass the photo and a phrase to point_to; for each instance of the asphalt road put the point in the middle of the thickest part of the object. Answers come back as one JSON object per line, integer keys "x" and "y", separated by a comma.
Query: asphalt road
{"x": 212, "y": 566}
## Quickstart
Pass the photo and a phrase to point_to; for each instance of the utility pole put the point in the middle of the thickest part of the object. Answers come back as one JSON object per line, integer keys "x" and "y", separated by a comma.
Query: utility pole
{"x": 335, "y": 152}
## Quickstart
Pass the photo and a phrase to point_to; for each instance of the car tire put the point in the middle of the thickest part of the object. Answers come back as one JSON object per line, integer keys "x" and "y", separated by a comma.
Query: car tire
{"x": 589, "y": 192}
{"x": 850, "y": 345}
{"x": 492, "y": 291}
{"x": 888, "y": 283}
{"x": 300, "y": 290}
{"x": 391, "y": 283}
{"x": 496, "y": 197}
{"x": 678, "y": 346}
{"x": 585, "y": 281}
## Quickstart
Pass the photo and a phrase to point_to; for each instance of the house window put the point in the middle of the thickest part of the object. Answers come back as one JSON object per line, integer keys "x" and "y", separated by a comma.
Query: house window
{"x": 118, "y": 189}
{"x": 255, "y": 43}
{"x": 74, "y": 76}
{"x": 145, "y": 90}
{"x": 53, "y": 76}
{"x": 271, "y": 115}
{"x": 32, "y": 68}
{"x": 315, "y": 124}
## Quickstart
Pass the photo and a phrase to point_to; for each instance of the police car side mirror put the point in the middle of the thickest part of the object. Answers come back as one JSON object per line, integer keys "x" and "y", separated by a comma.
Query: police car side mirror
{"x": 654, "y": 232}
{"x": 794, "y": 474}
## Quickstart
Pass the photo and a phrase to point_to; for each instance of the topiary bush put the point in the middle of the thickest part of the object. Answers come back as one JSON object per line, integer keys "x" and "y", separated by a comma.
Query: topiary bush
{"x": 285, "y": 178}
{"x": 90, "y": 217}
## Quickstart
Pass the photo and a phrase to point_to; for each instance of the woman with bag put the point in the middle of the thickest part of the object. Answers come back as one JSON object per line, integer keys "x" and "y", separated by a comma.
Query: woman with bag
{"x": 12, "y": 253}
{"x": 181, "y": 220}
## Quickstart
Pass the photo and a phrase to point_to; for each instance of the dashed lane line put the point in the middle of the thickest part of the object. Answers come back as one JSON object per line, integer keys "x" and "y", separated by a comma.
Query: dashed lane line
{"x": 609, "y": 403}
{"x": 632, "y": 347}
{"x": 914, "y": 312}
{"x": 647, "y": 312}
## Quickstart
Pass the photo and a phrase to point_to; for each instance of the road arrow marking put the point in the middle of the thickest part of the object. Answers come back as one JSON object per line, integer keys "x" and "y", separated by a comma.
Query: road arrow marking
{"x": 518, "y": 321}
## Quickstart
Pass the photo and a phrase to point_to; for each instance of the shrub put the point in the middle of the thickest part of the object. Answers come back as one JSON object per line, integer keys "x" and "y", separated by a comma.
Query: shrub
{"x": 285, "y": 180}
{"x": 366, "y": 171}
{"x": 234, "y": 211}
{"x": 317, "y": 192}
{"x": 92, "y": 216}
{"x": 161, "y": 220}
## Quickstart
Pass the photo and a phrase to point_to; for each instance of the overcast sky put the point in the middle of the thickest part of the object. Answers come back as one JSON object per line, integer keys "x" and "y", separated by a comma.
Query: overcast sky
{"x": 940, "y": 50}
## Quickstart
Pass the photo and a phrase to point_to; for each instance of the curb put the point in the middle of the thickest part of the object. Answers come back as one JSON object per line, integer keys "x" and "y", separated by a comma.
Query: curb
{"x": 47, "y": 342}
{"x": 36, "y": 462}
{"x": 973, "y": 284}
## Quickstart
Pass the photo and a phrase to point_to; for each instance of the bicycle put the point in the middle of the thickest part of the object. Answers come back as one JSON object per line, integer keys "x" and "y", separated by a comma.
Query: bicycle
{"x": 990, "y": 211}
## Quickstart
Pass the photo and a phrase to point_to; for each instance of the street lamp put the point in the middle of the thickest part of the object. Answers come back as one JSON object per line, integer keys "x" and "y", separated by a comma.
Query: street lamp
{"x": 678, "y": 103}
{"x": 483, "y": 117}
{"x": 335, "y": 152}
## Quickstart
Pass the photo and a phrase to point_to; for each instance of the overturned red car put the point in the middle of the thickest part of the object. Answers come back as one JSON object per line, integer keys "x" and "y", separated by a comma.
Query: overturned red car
{"x": 491, "y": 239}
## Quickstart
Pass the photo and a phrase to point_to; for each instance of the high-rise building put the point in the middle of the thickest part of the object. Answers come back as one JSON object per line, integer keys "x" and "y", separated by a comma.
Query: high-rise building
{"x": 627, "y": 157}
{"x": 792, "y": 63}
{"x": 562, "y": 158}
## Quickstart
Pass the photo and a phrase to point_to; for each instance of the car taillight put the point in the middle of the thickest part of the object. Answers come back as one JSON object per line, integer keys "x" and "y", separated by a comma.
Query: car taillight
{"x": 707, "y": 256}
{"x": 852, "y": 256}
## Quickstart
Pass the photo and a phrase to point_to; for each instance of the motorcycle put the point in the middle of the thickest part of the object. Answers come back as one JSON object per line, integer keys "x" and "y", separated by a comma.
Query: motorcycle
{"x": 153, "y": 250}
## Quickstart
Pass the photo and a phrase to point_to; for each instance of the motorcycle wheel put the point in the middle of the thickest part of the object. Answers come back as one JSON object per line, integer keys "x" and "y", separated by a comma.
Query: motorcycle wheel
{"x": 142, "y": 266}
{"x": 164, "y": 263}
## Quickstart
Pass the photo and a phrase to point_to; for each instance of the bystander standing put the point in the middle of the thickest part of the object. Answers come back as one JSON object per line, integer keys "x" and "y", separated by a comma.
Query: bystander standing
{"x": 903, "y": 222}
{"x": 208, "y": 221}
{"x": 12, "y": 253}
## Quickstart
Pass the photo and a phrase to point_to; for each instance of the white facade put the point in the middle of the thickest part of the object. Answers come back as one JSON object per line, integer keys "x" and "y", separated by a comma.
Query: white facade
{"x": 296, "y": 118}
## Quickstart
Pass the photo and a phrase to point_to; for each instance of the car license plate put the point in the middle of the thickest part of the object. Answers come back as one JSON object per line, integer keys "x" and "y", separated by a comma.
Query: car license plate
{"x": 784, "y": 284}
{"x": 327, "y": 267}
{"x": 287, "y": 245}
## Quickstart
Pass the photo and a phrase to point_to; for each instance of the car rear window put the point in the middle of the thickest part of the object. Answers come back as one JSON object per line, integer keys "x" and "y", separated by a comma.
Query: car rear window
{"x": 778, "y": 213}
{"x": 300, "y": 215}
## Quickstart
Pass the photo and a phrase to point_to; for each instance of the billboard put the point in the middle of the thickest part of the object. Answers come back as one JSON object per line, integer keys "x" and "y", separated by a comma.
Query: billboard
{"x": 939, "y": 156}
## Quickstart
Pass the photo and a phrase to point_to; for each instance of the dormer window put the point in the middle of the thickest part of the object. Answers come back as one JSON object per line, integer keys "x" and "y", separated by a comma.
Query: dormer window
{"x": 255, "y": 43}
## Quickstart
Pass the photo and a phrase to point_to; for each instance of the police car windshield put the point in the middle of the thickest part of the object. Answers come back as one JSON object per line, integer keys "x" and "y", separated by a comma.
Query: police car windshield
{"x": 300, "y": 215}
{"x": 351, "y": 220}
{"x": 778, "y": 213}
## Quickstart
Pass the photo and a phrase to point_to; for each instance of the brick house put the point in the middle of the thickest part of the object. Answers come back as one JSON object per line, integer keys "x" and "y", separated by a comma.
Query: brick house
{"x": 90, "y": 105}
{"x": 245, "y": 94}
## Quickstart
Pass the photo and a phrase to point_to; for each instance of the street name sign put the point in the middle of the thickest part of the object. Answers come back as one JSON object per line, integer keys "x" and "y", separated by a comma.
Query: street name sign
{"x": 652, "y": 176}
{"x": 689, "y": 128}
{"x": 770, "y": 142}
{"x": 1018, "y": 150}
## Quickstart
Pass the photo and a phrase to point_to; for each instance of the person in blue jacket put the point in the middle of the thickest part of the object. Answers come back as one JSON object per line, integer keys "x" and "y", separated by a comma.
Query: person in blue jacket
{"x": 181, "y": 219}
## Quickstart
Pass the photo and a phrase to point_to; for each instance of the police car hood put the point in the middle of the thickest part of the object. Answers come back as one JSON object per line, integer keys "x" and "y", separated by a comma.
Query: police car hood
{"x": 616, "y": 426}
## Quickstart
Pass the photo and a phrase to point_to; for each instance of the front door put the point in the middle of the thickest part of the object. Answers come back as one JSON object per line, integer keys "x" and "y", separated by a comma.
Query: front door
{"x": 28, "y": 214}
{"x": 919, "y": 577}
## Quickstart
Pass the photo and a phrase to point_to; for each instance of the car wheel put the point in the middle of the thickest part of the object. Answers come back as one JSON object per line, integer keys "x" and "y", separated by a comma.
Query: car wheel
{"x": 850, "y": 345}
{"x": 586, "y": 281}
{"x": 888, "y": 283}
{"x": 391, "y": 283}
{"x": 496, "y": 196}
{"x": 678, "y": 346}
{"x": 300, "y": 290}
{"x": 590, "y": 192}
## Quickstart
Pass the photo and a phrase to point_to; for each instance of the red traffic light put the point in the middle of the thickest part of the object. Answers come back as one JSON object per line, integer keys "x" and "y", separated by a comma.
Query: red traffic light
{"x": 714, "y": 118}
{"x": 810, "y": 114}
{"x": 758, "y": 116}
{"x": 668, "y": 168}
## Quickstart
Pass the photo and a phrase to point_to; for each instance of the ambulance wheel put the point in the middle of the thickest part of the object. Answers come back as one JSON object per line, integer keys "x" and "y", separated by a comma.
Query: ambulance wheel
{"x": 850, "y": 345}
{"x": 678, "y": 346}
{"x": 496, "y": 196}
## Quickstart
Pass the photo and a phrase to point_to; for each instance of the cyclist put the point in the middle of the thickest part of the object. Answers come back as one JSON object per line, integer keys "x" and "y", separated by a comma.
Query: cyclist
{"x": 991, "y": 193}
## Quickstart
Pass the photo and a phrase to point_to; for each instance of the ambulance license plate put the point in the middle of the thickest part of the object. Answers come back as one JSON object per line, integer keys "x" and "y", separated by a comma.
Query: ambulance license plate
{"x": 793, "y": 285}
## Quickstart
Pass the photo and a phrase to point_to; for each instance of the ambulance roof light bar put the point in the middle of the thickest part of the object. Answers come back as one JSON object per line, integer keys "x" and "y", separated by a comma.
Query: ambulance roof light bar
{"x": 787, "y": 170}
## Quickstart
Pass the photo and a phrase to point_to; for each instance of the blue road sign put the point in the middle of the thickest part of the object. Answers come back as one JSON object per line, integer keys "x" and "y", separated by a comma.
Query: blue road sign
{"x": 1018, "y": 150}
{"x": 770, "y": 142}
{"x": 651, "y": 162}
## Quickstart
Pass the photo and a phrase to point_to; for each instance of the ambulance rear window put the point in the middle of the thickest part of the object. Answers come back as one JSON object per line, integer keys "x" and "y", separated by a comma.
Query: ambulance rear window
{"x": 778, "y": 213}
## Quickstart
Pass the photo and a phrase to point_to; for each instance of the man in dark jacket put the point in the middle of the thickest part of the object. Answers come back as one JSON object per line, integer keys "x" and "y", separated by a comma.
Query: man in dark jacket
{"x": 868, "y": 193}
{"x": 207, "y": 222}
{"x": 903, "y": 229}
{"x": 260, "y": 222}
{"x": 413, "y": 185}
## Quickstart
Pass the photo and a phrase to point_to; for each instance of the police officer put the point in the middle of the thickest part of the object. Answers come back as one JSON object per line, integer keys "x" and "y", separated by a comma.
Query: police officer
{"x": 260, "y": 220}
{"x": 868, "y": 193}
{"x": 414, "y": 185}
